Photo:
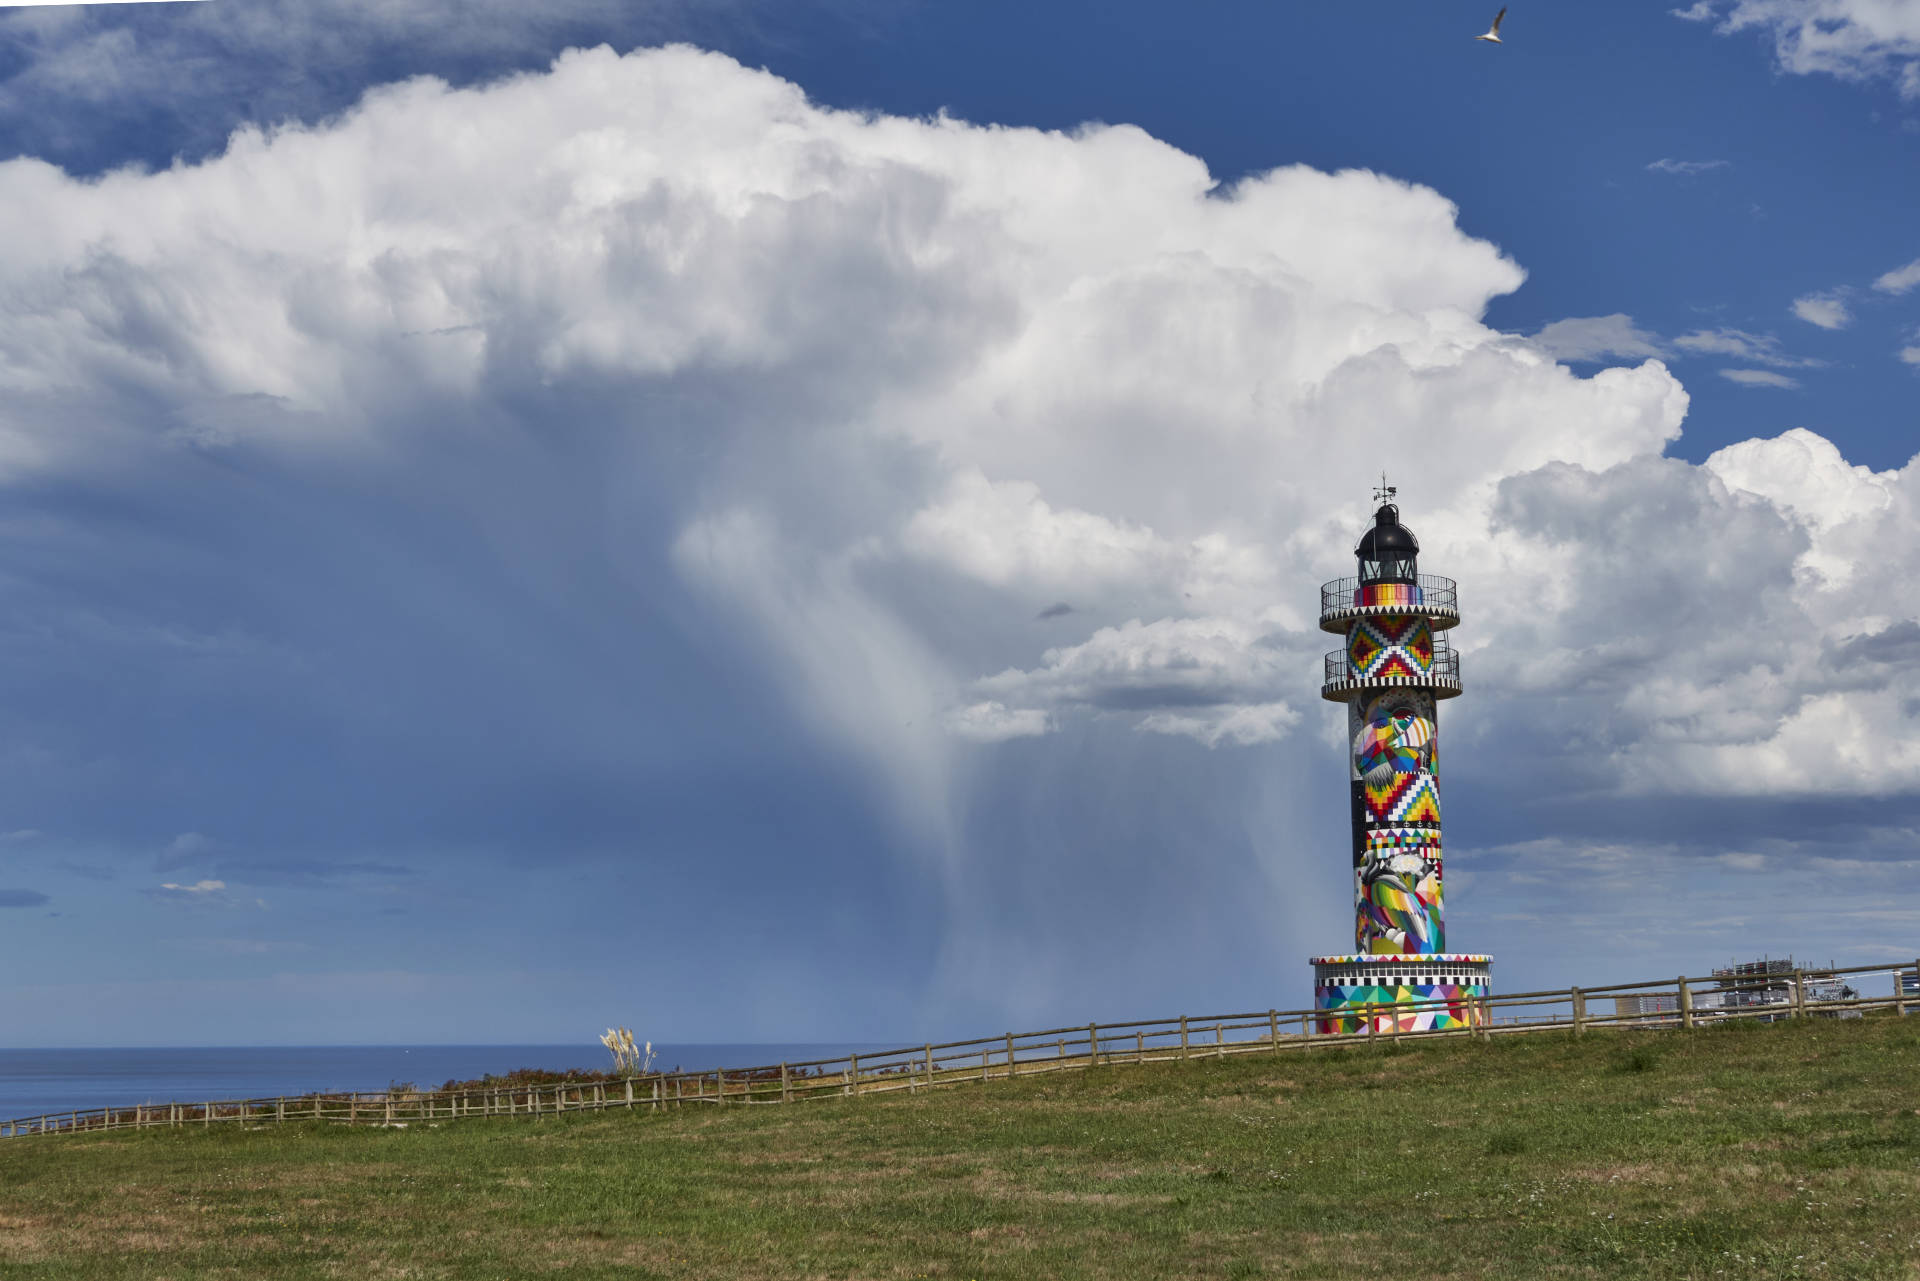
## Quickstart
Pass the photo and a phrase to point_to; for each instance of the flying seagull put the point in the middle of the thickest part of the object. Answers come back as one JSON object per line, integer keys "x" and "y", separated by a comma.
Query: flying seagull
{"x": 1493, "y": 32}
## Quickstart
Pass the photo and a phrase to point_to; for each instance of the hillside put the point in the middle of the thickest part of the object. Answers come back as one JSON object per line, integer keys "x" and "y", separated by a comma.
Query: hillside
{"x": 1789, "y": 1150}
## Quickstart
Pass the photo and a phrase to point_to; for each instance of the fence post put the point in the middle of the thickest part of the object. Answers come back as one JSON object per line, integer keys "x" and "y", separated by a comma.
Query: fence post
{"x": 1093, "y": 1045}
{"x": 1899, "y": 993}
{"x": 1686, "y": 1004}
{"x": 1011, "y": 1065}
{"x": 984, "y": 1052}
{"x": 1273, "y": 1029}
{"x": 1373, "y": 1024}
{"x": 1579, "y": 1012}
{"x": 853, "y": 1074}
{"x": 1183, "y": 1037}
{"x": 1219, "y": 1041}
{"x": 1799, "y": 994}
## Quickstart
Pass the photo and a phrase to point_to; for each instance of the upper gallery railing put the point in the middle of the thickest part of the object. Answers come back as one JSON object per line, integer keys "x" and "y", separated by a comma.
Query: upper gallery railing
{"x": 1443, "y": 674}
{"x": 1430, "y": 595}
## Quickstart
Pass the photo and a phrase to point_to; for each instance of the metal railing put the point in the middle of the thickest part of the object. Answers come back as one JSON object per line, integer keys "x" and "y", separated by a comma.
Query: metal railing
{"x": 1436, "y": 593}
{"x": 1693, "y": 1003}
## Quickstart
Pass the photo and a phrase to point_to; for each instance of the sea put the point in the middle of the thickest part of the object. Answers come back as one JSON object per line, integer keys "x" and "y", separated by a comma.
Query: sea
{"x": 36, "y": 1082}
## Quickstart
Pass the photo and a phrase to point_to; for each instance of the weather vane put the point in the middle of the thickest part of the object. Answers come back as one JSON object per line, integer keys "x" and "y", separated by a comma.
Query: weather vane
{"x": 1383, "y": 491}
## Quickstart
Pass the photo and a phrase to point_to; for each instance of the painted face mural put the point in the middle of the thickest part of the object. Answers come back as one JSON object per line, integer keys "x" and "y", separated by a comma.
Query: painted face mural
{"x": 1401, "y": 913}
{"x": 1395, "y": 736}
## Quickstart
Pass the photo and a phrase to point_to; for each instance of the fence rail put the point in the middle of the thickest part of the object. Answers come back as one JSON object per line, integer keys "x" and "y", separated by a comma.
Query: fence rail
{"x": 1695, "y": 1002}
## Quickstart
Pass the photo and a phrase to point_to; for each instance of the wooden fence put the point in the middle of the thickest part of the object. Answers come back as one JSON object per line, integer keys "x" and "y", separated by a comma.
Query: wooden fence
{"x": 1671, "y": 1003}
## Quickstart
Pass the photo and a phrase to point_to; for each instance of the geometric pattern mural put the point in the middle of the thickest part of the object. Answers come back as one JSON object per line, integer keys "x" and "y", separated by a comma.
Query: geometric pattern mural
{"x": 1402, "y": 838}
{"x": 1349, "y": 1006}
{"x": 1389, "y": 645}
{"x": 1404, "y": 798}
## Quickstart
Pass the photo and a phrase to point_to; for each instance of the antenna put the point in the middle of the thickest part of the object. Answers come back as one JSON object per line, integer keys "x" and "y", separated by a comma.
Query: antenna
{"x": 1384, "y": 492}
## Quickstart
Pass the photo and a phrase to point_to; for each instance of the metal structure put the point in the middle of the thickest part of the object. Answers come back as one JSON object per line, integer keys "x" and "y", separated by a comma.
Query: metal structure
{"x": 1392, "y": 673}
{"x": 1776, "y": 982}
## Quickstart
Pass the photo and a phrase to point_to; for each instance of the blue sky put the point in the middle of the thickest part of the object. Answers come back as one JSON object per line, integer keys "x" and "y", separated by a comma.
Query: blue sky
{"x": 582, "y": 539}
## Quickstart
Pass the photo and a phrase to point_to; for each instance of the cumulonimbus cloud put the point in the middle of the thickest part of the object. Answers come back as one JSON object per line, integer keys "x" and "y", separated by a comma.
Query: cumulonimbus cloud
{"x": 469, "y": 396}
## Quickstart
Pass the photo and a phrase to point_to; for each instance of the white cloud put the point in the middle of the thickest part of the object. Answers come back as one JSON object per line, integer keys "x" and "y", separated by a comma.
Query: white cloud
{"x": 1594, "y": 338}
{"x": 1911, "y": 355}
{"x": 1857, "y": 40}
{"x": 201, "y": 894}
{"x": 1686, "y": 168}
{"x": 1804, "y": 475}
{"x": 994, "y": 722}
{"x": 1006, "y": 533}
{"x": 1177, "y": 667}
{"x": 1242, "y": 725}
{"x": 1759, "y": 378}
{"x": 1828, "y": 311}
{"x": 1900, "y": 279}
{"x": 1762, "y": 349}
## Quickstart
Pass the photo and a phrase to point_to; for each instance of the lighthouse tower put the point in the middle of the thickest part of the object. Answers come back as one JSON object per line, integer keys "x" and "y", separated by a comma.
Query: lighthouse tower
{"x": 1393, "y": 672}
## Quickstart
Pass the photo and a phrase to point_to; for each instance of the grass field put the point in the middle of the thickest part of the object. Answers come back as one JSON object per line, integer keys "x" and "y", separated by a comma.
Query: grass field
{"x": 1789, "y": 1150}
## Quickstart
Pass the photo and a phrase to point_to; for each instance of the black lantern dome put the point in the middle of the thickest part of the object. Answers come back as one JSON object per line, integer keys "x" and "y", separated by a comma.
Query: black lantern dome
{"x": 1387, "y": 552}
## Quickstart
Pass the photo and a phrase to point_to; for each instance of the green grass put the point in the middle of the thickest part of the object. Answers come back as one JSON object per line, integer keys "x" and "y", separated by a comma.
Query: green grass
{"x": 1742, "y": 1151}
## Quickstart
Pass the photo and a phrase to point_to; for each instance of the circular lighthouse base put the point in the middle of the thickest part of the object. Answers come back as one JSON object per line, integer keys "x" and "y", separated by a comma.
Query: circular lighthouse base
{"x": 1401, "y": 993}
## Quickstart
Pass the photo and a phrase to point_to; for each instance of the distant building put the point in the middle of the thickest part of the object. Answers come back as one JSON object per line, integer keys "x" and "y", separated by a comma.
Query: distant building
{"x": 1652, "y": 1006}
{"x": 1751, "y": 984}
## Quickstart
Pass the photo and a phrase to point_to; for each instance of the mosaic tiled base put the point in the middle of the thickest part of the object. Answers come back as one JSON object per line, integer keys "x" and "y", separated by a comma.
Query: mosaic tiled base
{"x": 1403, "y": 994}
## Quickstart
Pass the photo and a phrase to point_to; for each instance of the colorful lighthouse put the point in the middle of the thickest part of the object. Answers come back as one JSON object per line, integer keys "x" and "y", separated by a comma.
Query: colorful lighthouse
{"x": 1393, "y": 672}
